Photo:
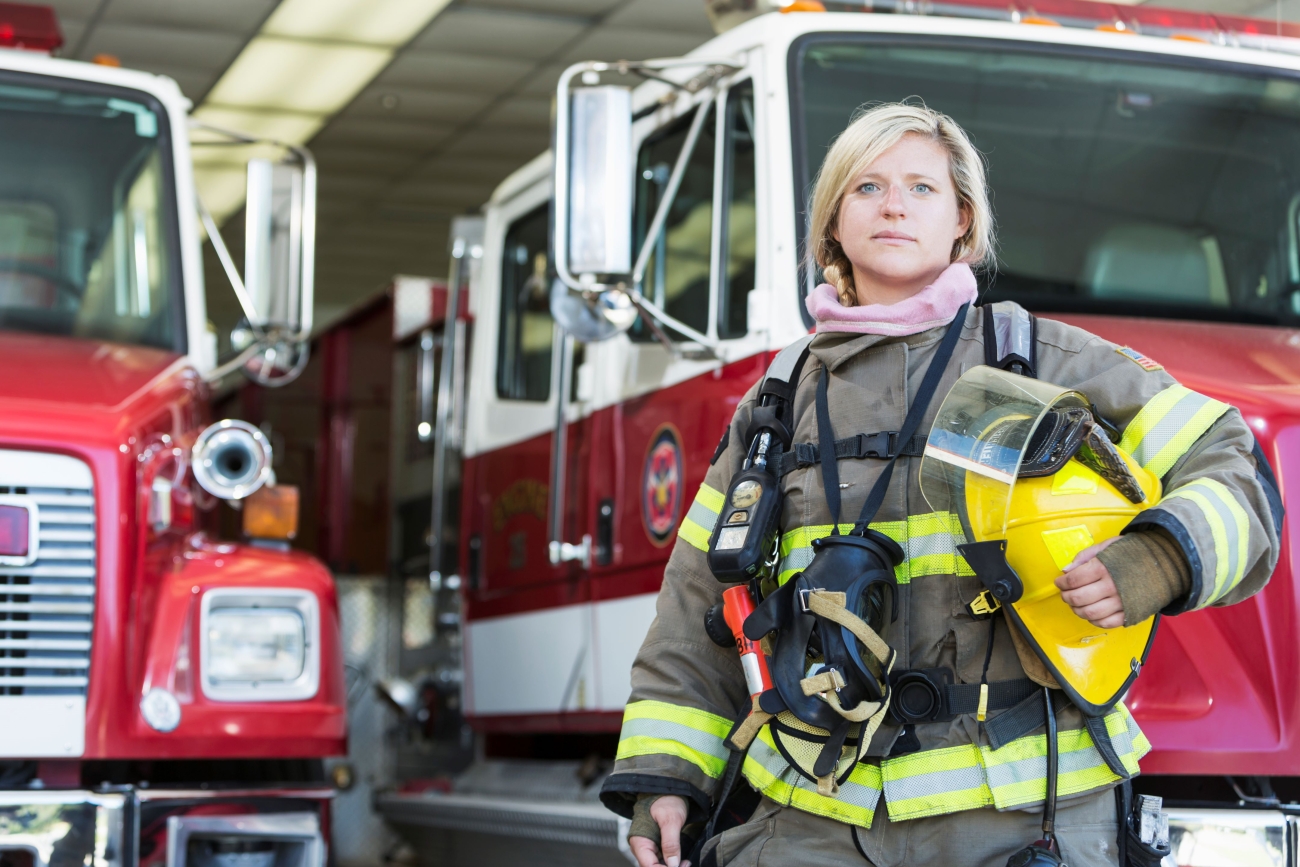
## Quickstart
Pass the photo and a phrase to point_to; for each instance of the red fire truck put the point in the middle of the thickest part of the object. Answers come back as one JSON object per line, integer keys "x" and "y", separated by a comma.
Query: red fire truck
{"x": 1146, "y": 184}
{"x": 165, "y": 697}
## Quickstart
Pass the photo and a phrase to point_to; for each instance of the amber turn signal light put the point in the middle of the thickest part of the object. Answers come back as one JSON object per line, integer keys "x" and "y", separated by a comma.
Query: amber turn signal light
{"x": 271, "y": 512}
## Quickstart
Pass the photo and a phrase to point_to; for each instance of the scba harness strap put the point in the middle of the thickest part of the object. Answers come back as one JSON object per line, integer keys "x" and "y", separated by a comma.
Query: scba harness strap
{"x": 824, "y": 716}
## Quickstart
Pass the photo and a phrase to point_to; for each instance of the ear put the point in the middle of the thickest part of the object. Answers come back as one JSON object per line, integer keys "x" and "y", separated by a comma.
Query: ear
{"x": 963, "y": 220}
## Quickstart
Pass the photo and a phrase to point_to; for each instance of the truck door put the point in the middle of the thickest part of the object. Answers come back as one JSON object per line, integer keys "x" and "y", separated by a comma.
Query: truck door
{"x": 651, "y": 450}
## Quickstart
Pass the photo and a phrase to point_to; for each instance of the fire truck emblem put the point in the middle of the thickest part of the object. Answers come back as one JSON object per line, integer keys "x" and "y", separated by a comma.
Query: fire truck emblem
{"x": 661, "y": 485}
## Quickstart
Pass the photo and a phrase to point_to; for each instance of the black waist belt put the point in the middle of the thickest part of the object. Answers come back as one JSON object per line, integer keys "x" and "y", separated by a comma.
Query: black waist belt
{"x": 929, "y": 695}
{"x": 883, "y": 445}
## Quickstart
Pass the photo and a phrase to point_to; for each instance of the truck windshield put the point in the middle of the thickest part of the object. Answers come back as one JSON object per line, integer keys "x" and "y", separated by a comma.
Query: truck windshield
{"x": 1120, "y": 185}
{"x": 87, "y": 234}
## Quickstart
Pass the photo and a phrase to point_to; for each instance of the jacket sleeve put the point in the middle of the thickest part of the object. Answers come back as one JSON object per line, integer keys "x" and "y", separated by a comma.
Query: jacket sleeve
{"x": 1220, "y": 501}
{"x": 686, "y": 690}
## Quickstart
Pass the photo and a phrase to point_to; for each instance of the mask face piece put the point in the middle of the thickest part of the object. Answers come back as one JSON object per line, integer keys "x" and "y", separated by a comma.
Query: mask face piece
{"x": 1022, "y": 461}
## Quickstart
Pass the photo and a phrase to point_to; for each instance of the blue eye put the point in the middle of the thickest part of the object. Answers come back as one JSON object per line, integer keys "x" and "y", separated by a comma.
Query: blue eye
{"x": 869, "y": 187}
{"x": 923, "y": 188}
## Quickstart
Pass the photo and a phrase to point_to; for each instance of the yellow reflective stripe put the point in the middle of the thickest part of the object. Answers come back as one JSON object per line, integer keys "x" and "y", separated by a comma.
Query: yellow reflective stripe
{"x": 653, "y": 728}
{"x": 1018, "y": 772}
{"x": 935, "y": 782}
{"x": 702, "y": 517}
{"x": 929, "y": 544}
{"x": 1169, "y": 424}
{"x": 769, "y": 773}
{"x": 1229, "y": 529}
{"x": 951, "y": 779}
{"x": 700, "y": 720}
{"x": 966, "y": 777}
{"x": 710, "y": 498}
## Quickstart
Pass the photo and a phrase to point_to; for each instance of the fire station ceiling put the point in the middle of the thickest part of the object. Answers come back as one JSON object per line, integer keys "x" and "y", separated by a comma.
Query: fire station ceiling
{"x": 444, "y": 111}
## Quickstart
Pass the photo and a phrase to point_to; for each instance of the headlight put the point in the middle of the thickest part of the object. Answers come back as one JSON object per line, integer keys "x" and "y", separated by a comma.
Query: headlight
{"x": 259, "y": 645}
{"x": 256, "y": 645}
{"x": 1231, "y": 838}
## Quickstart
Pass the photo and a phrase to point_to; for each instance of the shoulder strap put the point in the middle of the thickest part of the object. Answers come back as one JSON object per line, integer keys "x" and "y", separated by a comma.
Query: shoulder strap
{"x": 826, "y": 436}
{"x": 776, "y": 394}
{"x": 782, "y": 375}
{"x": 1010, "y": 338}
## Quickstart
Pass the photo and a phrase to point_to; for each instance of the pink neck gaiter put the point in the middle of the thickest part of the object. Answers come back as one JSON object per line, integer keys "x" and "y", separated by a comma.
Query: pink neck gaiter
{"x": 933, "y": 306}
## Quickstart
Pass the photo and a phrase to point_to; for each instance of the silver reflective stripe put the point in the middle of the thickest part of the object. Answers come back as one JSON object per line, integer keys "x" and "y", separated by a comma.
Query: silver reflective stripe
{"x": 702, "y": 515}
{"x": 1169, "y": 427}
{"x": 1229, "y": 530}
{"x": 663, "y": 730}
{"x": 934, "y": 783}
{"x": 1033, "y": 769}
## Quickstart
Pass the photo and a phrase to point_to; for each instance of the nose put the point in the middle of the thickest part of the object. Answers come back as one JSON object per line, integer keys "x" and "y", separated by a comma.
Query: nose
{"x": 892, "y": 206}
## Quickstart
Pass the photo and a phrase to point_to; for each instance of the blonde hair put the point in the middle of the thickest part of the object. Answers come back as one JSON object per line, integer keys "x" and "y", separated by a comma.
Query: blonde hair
{"x": 871, "y": 134}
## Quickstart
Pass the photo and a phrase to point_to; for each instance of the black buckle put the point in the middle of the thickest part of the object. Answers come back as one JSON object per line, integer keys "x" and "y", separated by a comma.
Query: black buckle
{"x": 878, "y": 445}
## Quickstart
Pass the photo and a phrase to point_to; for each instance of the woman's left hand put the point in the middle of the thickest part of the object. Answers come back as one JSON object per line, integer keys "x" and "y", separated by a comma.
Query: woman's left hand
{"x": 1089, "y": 590}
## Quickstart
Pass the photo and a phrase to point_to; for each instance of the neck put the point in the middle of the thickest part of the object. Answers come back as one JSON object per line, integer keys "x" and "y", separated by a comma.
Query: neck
{"x": 873, "y": 288}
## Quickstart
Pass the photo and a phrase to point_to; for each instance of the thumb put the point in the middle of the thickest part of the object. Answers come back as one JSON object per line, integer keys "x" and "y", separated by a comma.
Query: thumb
{"x": 670, "y": 838}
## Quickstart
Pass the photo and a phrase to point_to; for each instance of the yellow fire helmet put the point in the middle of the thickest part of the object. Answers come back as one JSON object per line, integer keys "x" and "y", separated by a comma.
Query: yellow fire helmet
{"x": 1033, "y": 480}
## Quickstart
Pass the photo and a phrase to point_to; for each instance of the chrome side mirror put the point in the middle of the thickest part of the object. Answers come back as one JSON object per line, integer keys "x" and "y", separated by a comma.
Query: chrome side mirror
{"x": 273, "y": 243}
{"x": 600, "y": 183}
{"x": 277, "y": 291}
{"x": 594, "y": 183}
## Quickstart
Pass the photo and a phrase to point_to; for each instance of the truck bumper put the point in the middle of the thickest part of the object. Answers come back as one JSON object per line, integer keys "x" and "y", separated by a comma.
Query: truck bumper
{"x": 130, "y": 827}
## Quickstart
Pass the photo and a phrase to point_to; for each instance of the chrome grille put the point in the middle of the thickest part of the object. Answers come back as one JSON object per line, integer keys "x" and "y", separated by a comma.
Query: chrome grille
{"x": 47, "y": 608}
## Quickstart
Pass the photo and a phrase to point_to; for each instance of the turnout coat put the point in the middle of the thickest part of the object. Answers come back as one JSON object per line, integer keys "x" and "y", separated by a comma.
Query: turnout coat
{"x": 1220, "y": 504}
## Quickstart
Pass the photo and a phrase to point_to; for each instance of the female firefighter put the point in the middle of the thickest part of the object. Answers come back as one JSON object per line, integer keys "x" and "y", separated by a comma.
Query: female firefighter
{"x": 900, "y": 216}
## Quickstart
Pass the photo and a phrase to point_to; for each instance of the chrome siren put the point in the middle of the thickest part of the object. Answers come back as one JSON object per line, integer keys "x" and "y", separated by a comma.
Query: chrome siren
{"x": 231, "y": 459}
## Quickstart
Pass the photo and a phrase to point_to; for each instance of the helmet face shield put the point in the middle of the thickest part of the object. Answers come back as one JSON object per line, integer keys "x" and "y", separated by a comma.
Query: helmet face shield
{"x": 1021, "y": 462}
{"x": 988, "y": 424}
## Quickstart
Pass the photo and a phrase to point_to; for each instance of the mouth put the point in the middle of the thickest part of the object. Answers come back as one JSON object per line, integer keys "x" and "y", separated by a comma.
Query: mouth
{"x": 893, "y": 238}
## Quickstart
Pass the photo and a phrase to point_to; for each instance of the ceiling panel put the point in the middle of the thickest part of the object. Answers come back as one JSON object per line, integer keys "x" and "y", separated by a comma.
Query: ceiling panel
{"x": 80, "y": 9}
{"x": 384, "y": 134}
{"x": 466, "y": 72}
{"x": 686, "y": 16}
{"x": 410, "y": 103}
{"x": 628, "y": 43}
{"x": 560, "y": 7}
{"x": 140, "y": 45}
{"x": 531, "y": 111}
{"x": 491, "y": 33}
{"x": 231, "y": 16}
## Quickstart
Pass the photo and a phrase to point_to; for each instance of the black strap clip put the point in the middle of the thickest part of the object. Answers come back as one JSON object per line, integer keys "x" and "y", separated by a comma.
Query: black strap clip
{"x": 878, "y": 445}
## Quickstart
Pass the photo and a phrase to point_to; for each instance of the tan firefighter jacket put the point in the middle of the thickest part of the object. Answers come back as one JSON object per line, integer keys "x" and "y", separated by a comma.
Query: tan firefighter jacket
{"x": 687, "y": 691}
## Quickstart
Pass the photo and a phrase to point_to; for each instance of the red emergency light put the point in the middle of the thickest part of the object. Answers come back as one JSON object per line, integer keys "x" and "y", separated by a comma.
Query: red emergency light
{"x": 1229, "y": 30}
{"x": 35, "y": 28}
{"x": 14, "y": 531}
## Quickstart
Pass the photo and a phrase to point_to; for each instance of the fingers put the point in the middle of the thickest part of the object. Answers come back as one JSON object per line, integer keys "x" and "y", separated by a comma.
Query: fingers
{"x": 1090, "y": 552}
{"x": 645, "y": 851}
{"x": 1082, "y": 574}
{"x": 1090, "y": 593}
{"x": 670, "y": 831}
{"x": 1103, "y": 611}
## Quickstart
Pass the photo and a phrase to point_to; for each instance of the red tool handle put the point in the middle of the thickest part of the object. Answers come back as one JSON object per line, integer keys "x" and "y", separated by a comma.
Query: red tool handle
{"x": 737, "y": 604}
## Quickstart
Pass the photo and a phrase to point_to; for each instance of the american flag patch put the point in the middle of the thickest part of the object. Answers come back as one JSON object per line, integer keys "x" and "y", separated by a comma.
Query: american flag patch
{"x": 1139, "y": 359}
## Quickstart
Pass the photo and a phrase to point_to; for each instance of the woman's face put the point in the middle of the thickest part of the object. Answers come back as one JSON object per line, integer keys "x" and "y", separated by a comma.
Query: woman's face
{"x": 899, "y": 219}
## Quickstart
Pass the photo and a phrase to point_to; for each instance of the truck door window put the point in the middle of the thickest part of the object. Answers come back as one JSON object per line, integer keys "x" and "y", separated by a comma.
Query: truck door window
{"x": 739, "y": 227}
{"x": 677, "y": 276}
{"x": 526, "y": 331}
{"x": 88, "y": 224}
